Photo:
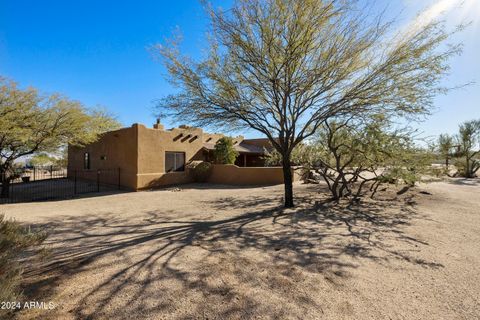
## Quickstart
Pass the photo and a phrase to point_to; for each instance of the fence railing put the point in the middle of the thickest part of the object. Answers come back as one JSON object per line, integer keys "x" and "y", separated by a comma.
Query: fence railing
{"x": 95, "y": 180}
{"x": 29, "y": 174}
{"x": 50, "y": 183}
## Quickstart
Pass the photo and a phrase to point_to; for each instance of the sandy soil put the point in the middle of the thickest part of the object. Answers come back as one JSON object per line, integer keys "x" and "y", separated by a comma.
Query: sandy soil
{"x": 219, "y": 252}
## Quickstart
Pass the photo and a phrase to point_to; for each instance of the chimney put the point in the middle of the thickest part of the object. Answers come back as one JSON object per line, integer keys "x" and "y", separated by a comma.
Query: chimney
{"x": 158, "y": 125}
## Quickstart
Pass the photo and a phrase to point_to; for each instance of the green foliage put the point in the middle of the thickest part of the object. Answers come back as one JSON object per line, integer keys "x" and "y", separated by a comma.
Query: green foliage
{"x": 445, "y": 147}
{"x": 225, "y": 152}
{"x": 273, "y": 158}
{"x": 42, "y": 159}
{"x": 468, "y": 139}
{"x": 300, "y": 156}
{"x": 15, "y": 240}
{"x": 464, "y": 148}
{"x": 350, "y": 154}
{"x": 31, "y": 123}
{"x": 62, "y": 158}
{"x": 284, "y": 67}
{"x": 200, "y": 170}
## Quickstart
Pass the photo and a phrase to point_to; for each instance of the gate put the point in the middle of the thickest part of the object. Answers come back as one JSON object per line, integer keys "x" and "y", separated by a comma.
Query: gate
{"x": 55, "y": 183}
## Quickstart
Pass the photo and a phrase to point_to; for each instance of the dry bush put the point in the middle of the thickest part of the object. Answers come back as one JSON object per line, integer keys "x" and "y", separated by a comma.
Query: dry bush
{"x": 200, "y": 170}
{"x": 15, "y": 242}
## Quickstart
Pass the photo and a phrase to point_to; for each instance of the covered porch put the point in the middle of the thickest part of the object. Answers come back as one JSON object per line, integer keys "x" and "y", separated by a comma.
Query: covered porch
{"x": 248, "y": 155}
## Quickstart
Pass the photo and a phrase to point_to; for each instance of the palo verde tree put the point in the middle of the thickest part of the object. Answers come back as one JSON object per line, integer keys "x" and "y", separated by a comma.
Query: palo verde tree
{"x": 357, "y": 155}
{"x": 31, "y": 123}
{"x": 225, "y": 152}
{"x": 42, "y": 159}
{"x": 284, "y": 67}
{"x": 468, "y": 139}
{"x": 445, "y": 147}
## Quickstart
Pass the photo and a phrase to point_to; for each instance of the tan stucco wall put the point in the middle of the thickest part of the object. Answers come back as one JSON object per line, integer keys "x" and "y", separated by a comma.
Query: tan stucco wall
{"x": 151, "y": 154}
{"x": 139, "y": 152}
{"x": 234, "y": 175}
{"x": 120, "y": 149}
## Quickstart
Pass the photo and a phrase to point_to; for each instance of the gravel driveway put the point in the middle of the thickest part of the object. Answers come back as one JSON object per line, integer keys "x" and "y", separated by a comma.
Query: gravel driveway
{"x": 208, "y": 252}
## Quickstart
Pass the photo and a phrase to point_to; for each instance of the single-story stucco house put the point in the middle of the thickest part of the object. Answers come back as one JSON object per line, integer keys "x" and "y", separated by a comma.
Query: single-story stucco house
{"x": 151, "y": 157}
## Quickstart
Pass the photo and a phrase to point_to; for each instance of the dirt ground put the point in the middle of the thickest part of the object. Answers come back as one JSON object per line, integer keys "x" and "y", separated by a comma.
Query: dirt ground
{"x": 213, "y": 252}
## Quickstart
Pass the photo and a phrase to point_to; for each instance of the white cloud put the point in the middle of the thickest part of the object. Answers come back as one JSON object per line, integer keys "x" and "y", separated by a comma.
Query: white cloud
{"x": 454, "y": 11}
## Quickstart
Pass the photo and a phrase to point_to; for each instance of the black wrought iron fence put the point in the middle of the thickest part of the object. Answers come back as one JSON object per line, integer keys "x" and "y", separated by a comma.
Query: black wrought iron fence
{"x": 50, "y": 183}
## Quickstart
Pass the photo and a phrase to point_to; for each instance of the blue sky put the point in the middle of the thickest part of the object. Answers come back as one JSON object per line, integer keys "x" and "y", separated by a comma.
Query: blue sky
{"x": 96, "y": 52}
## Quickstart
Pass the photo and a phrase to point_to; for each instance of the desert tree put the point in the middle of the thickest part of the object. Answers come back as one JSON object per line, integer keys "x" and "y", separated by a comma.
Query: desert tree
{"x": 284, "y": 67}
{"x": 32, "y": 123}
{"x": 356, "y": 156}
{"x": 225, "y": 152}
{"x": 41, "y": 159}
{"x": 445, "y": 147}
{"x": 468, "y": 139}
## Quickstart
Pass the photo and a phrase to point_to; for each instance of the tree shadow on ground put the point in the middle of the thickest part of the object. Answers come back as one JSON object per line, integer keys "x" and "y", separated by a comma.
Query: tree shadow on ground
{"x": 473, "y": 182}
{"x": 161, "y": 264}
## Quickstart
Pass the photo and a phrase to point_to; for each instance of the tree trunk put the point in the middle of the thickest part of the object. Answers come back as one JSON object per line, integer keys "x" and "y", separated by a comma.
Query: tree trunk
{"x": 359, "y": 190}
{"x": 288, "y": 182}
{"x": 446, "y": 163}
{"x": 467, "y": 168}
{"x": 5, "y": 192}
{"x": 335, "y": 190}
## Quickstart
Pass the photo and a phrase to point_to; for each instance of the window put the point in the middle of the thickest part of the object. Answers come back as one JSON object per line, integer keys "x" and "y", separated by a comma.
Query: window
{"x": 174, "y": 161}
{"x": 86, "y": 161}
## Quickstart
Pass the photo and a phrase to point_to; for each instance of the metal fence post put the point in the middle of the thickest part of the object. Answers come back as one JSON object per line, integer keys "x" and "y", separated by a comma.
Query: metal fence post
{"x": 34, "y": 174}
{"x": 98, "y": 180}
{"x": 51, "y": 172}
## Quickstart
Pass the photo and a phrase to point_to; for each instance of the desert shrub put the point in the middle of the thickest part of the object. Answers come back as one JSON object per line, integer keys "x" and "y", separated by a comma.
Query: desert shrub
{"x": 438, "y": 172}
{"x": 355, "y": 156}
{"x": 445, "y": 148}
{"x": 200, "y": 170}
{"x": 272, "y": 158}
{"x": 301, "y": 155}
{"x": 459, "y": 163}
{"x": 468, "y": 139}
{"x": 225, "y": 152}
{"x": 15, "y": 240}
